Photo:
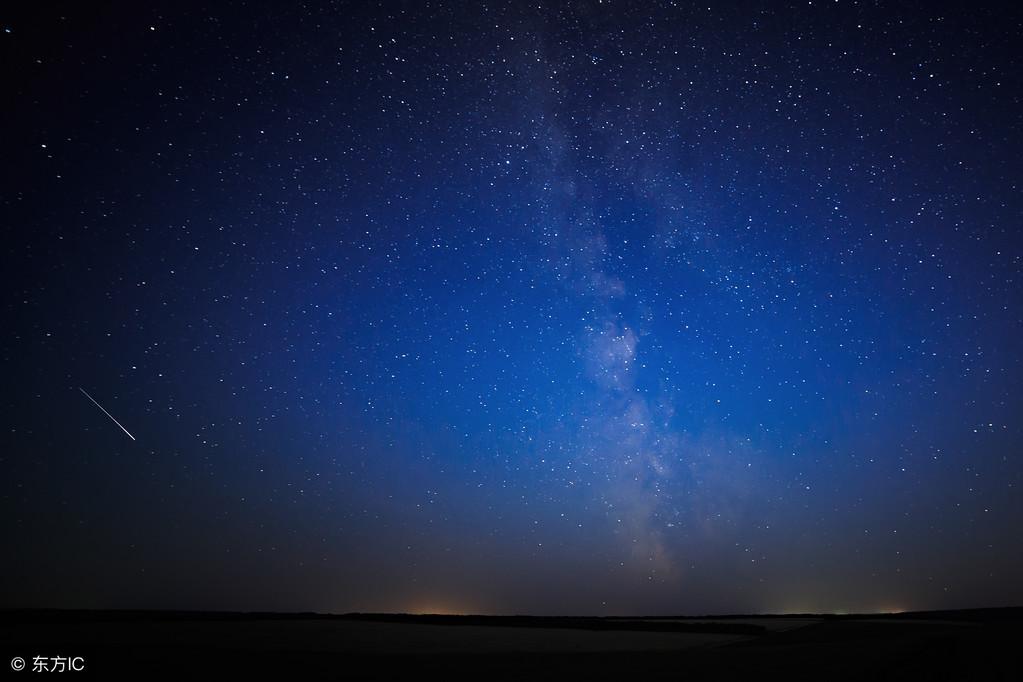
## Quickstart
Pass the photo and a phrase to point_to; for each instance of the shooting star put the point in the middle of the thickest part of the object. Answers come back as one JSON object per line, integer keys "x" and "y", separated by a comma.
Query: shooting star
{"x": 105, "y": 412}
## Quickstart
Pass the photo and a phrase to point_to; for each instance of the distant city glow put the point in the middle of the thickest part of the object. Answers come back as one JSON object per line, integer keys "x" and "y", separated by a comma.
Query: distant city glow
{"x": 438, "y": 609}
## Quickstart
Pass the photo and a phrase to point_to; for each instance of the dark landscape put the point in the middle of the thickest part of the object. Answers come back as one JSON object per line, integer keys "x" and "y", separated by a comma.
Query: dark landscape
{"x": 325, "y": 325}
{"x": 953, "y": 645}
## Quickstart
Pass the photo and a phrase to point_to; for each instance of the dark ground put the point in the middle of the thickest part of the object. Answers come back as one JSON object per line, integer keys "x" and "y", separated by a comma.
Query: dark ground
{"x": 984, "y": 644}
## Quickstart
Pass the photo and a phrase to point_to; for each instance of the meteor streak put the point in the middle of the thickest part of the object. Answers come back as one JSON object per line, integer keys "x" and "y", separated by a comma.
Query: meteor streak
{"x": 105, "y": 412}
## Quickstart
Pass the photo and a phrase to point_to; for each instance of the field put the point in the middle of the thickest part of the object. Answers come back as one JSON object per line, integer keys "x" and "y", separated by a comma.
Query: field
{"x": 980, "y": 644}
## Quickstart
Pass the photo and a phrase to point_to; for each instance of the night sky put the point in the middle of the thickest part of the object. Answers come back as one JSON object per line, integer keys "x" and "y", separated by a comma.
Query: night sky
{"x": 550, "y": 308}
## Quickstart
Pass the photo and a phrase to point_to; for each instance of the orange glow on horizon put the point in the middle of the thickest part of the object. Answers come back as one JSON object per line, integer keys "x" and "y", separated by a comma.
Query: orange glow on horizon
{"x": 439, "y": 608}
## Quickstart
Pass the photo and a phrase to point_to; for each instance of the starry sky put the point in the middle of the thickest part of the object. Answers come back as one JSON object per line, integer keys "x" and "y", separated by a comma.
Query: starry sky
{"x": 551, "y": 308}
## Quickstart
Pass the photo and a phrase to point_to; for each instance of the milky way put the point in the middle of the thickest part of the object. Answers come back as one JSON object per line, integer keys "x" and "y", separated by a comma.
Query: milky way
{"x": 585, "y": 308}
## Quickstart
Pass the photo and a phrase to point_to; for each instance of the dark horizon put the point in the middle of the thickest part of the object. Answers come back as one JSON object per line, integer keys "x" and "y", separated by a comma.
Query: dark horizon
{"x": 25, "y": 615}
{"x": 564, "y": 308}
